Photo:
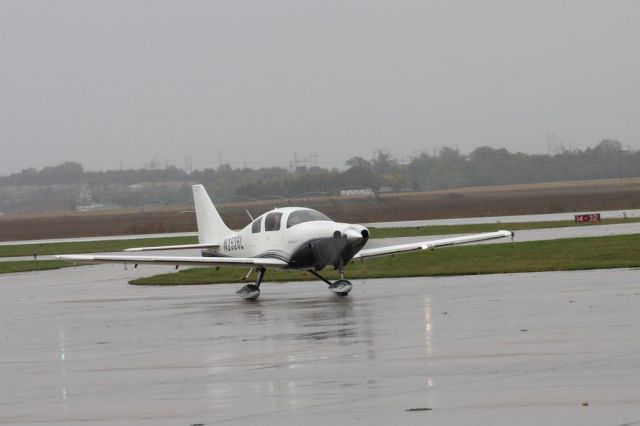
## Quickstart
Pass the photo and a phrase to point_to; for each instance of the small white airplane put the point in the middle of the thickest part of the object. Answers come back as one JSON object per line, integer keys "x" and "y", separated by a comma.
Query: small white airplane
{"x": 283, "y": 238}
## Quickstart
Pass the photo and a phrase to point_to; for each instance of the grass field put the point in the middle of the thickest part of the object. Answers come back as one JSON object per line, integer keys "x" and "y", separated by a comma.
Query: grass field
{"x": 555, "y": 255}
{"x": 118, "y": 245}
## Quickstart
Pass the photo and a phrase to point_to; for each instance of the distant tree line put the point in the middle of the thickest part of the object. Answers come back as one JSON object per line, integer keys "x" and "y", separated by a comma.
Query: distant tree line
{"x": 447, "y": 168}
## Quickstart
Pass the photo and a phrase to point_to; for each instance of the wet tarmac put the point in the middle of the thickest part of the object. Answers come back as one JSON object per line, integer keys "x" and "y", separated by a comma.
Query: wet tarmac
{"x": 82, "y": 347}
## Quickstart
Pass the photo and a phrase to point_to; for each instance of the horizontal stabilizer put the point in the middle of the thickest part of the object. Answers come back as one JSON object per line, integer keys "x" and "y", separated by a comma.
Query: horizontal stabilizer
{"x": 177, "y": 247}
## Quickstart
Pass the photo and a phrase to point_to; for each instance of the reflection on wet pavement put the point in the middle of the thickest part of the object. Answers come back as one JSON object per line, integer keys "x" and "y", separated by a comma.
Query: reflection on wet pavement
{"x": 527, "y": 348}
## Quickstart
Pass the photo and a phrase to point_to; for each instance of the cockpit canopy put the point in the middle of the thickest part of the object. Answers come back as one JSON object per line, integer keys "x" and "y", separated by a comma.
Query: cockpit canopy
{"x": 297, "y": 217}
{"x": 274, "y": 220}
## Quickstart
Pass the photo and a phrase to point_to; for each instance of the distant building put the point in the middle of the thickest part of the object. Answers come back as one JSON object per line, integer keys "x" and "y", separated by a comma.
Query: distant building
{"x": 96, "y": 207}
{"x": 356, "y": 192}
{"x": 84, "y": 195}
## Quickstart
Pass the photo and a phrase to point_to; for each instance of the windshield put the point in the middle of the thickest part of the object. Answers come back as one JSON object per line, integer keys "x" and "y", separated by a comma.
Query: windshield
{"x": 301, "y": 216}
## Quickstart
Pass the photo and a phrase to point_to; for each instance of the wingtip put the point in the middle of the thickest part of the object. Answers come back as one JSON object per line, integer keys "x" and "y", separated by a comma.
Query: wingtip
{"x": 66, "y": 257}
{"x": 509, "y": 234}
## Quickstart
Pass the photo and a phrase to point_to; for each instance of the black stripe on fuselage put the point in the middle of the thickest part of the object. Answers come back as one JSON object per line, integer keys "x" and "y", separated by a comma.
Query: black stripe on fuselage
{"x": 302, "y": 257}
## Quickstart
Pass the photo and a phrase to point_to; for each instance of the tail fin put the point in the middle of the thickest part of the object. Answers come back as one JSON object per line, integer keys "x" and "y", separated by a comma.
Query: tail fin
{"x": 211, "y": 228}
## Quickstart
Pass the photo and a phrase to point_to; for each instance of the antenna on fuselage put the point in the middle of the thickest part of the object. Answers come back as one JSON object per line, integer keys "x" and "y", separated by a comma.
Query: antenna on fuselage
{"x": 247, "y": 210}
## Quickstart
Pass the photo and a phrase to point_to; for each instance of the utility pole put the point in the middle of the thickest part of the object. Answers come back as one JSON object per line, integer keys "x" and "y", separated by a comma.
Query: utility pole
{"x": 552, "y": 141}
{"x": 188, "y": 164}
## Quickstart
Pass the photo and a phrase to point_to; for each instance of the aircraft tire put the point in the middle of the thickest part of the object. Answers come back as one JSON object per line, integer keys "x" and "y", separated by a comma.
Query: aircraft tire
{"x": 341, "y": 287}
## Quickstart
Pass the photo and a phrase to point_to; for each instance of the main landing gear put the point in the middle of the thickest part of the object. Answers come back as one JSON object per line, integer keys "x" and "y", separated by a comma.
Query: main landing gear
{"x": 252, "y": 291}
{"x": 341, "y": 287}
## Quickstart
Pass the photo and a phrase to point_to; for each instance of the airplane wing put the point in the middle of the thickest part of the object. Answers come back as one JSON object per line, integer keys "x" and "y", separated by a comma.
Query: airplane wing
{"x": 177, "y": 260}
{"x": 425, "y": 245}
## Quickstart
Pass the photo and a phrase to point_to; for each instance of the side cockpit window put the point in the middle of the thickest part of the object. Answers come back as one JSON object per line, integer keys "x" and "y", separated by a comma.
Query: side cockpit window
{"x": 255, "y": 226}
{"x": 272, "y": 221}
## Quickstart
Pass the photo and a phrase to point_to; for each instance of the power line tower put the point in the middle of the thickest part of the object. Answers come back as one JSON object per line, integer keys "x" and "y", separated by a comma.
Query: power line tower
{"x": 552, "y": 143}
{"x": 304, "y": 162}
{"x": 313, "y": 159}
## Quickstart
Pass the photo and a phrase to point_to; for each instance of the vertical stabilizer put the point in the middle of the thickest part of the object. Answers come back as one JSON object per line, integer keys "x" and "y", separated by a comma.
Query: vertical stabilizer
{"x": 211, "y": 228}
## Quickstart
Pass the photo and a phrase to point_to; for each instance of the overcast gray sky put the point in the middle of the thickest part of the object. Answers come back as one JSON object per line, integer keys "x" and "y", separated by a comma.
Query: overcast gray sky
{"x": 104, "y": 82}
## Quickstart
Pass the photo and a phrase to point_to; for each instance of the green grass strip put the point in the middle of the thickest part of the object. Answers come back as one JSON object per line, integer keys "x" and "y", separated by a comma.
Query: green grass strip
{"x": 555, "y": 255}
{"x": 31, "y": 265}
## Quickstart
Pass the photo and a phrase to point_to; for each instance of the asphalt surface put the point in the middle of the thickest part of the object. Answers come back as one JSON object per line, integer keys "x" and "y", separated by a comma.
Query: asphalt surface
{"x": 80, "y": 346}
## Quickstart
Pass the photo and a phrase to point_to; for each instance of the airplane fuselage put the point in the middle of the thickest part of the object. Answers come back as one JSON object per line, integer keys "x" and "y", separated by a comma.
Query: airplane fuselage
{"x": 287, "y": 238}
{"x": 301, "y": 237}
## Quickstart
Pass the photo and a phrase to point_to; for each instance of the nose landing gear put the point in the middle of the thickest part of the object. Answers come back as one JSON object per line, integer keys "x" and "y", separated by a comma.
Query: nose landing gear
{"x": 341, "y": 287}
